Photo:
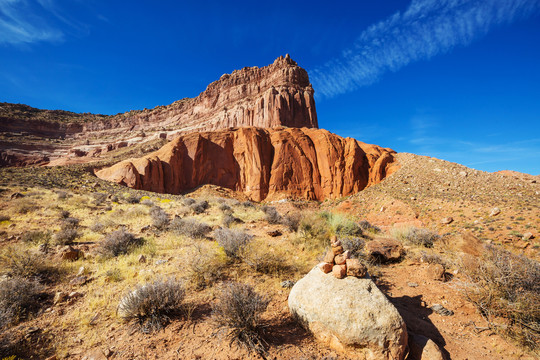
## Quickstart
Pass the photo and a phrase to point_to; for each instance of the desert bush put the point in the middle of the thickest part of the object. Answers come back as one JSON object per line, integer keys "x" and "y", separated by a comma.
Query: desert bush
{"x": 342, "y": 225}
{"x": 416, "y": 236}
{"x": 502, "y": 284}
{"x": 62, "y": 195}
{"x": 292, "y": 221}
{"x": 265, "y": 259}
{"x": 16, "y": 261}
{"x": 238, "y": 313}
{"x": 189, "y": 227}
{"x": 24, "y": 206}
{"x": 232, "y": 241}
{"x": 132, "y": 199}
{"x": 432, "y": 259}
{"x": 36, "y": 237}
{"x": 229, "y": 219}
{"x": 64, "y": 214}
{"x": 19, "y": 297}
{"x": 68, "y": 231}
{"x": 199, "y": 207}
{"x": 204, "y": 264}
{"x": 224, "y": 207}
{"x": 151, "y": 305}
{"x": 98, "y": 227}
{"x": 354, "y": 245}
{"x": 114, "y": 275}
{"x": 160, "y": 219}
{"x": 368, "y": 227}
{"x": 272, "y": 216}
{"x": 313, "y": 232}
{"x": 248, "y": 204}
{"x": 189, "y": 201}
{"x": 4, "y": 218}
{"x": 99, "y": 198}
{"x": 147, "y": 202}
{"x": 118, "y": 243}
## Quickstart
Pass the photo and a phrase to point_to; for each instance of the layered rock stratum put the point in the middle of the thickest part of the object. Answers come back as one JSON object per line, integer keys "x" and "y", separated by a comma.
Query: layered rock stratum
{"x": 263, "y": 163}
{"x": 275, "y": 95}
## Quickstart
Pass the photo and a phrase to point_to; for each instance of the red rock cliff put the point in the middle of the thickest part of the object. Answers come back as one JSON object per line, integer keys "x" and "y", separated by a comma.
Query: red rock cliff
{"x": 263, "y": 163}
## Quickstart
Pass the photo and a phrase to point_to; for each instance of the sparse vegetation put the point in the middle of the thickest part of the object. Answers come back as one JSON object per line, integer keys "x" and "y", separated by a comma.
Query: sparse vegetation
{"x": 19, "y": 297}
{"x": 416, "y": 236}
{"x": 199, "y": 207}
{"x": 150, "y": 306}
{"x": 160, "y": 219}
{"x": 232, "y": 241}
{"x": 238, "y": 313}
{"x": 272, "y": 216}
{"x": 36, "y": 237}
{"x": 68, "y": 231}
{"x": 205, "y": 265}
{"x": 190, "y": 228}
{"x": 17, "y": 261}
{"x": 118, "y": 243}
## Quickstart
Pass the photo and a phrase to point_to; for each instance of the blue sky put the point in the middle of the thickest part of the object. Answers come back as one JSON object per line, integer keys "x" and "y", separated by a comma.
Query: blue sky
{"x": 454, "y": 79}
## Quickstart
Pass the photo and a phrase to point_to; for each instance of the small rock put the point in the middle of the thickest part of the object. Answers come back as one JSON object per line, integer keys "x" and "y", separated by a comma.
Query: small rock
{"x": 337, "y": 250}
{"x": 79, "y": 280}
{"x": 70, "y": 253}
{"x": 81, "y": 271}
{"x": 412, "y": 284}
{"x": 287, "y": 284}
{"x": 274, "y": 233}
{"x": 435, "y": 272}
{"x": 142, "y": 259}
{"x": 495, "y": 211}
{"x": 95, "y": 354}
{"x": 43, "y": 248}
{"x": 339, "y": 271}
{"x": 145, "y": 228}
{"x": 355, "y": 268}
{"x": 326, "y": 267}
{"x": 75, "y": 295}
{"x": 16, "y": 195}
{"x": 341, "y": 258}
{"x": 385, "y": 250}
{"x": 423, "y": 348}
{"x": 329, "y": 257}
{"x": 441, "y": 310}
{"x": 528, "y": 236}
{"x": 59, "y": 297}
{"x": 159, "y": 262}
{"x": 447, "y": 220}
{"x": 334, "y": 241}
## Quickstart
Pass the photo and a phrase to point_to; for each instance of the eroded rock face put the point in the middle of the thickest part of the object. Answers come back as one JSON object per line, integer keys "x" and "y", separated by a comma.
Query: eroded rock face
{"x": 275, "y": 95}
{"x": 263, "y": 163}
{"x": 349, "y": 314}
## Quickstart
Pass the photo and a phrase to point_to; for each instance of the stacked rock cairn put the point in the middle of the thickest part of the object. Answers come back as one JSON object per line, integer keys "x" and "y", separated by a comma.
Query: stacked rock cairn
{"x": 338, "y": 262}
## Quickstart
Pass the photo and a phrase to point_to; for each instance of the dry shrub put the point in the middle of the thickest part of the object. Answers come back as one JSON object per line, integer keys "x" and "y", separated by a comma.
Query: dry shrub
{"x": 68, "y": 231}
{"x": 151, "y": 305}
{"x": 225, "y": 207}
{"x": 205, "y": 264}
{"x": 314, "y": 232}
{"x": 36, "y": 237}
{"x": 292, "y": 221}
{"x": 190, "y": 228}
{"x": 16, "y": 261}
{"x": 366, "y": 226}
{"x": 232, "y": 241}
{"x": 229, "y": 219}
{"x": 99, "y": 198}
{"x": 272, "y": 216}
{"x": 160, "y": 219}
{"x": 19, "y": 297}
{"x": 132, "y": 199}
{"x": 238, "y": 313}
{"x": 416, "y": 236}
{"x": 189, "y": 201}
{"x": 354, "y": 245}
{"x": 24, "y": 206}
{"x": 341, "y": 225}
{"x": 199, "y": 207}
{"x": 264, "y": 258}
{"x": 4, "y": 218}
{"x": 118, "y": 243}
{"x": 504, "y": 285}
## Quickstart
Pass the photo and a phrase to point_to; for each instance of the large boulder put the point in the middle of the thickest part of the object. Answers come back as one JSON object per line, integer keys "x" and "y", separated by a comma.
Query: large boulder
{"x": 349, "y": 314}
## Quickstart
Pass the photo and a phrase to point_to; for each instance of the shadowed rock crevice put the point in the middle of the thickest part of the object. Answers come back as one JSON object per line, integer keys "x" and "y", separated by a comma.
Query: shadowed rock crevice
{"x": 304, "y": 163}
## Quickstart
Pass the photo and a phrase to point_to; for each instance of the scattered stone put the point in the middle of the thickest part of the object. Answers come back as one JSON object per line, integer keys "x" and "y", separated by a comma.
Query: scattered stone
{"x": 74, "y": 295}
{"x": 435, "y": 272}
{"x": 463, "y": 173}
{"x": 349, "y": 314}
{"x": 412, "y": 284}
{"x": 441, "y": 310}
{"x": 159, "y": 262}
{"x": 145, "y": 228}
{"x": 447, "y": 220}
{"x": 528, "y": 236}
{"x": 71, "y": 253}
{"x": 329, "y": 257}
{"x": 81, "y": 271}
{"x": 94, "y": 354}
{"x": 495, "y": 211}
{"x": 79, "y": 280}
{"x": 385, "y": 250}
{"x": 339, "y": 271}
{"x": 142, "y": 259}
{"x": 287, "y": 284}
{"x": 334, "y": 241}
{"x": 274, "y": 233}
{"x": 326, "y": 267}
{"x": 423, "y": 348}
{"x": 337, "y": 250}
{"x": 355, "y": 268}
{"x": 59, "y": 297}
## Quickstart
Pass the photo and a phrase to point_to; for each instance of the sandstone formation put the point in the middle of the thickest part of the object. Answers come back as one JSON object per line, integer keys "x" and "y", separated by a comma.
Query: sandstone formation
{"x": 274, "y": 95}
{"x": 263, "y": 163}
{"x": 349, "y": 314}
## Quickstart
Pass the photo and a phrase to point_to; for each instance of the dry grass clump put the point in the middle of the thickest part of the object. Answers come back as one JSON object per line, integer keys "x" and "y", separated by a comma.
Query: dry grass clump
{"x": 366, "y": 226}
{"x": 229, "y": 219}
{"x": 238, "y": 313}
{"x": 132, "y": 199}
{"x": 19, "y": 297}
{"x": 264, "y": 258}
{"x": 36, "y": 237}
{"x": 232, "y": 241}
{"x": 68, "y": 231}
{"x": 190, "y": 228}
{"x": 314, "y": 232}
{"x": 225, "y": 207}
{"x": 341, "y": 225}
{"x": 118, "y": 243}
{"x": 205, "y": 264}
{"x": 189, "y": 201}
{"x": 272, "y": 216}
{"x": 160, "y": 219}
{"x": 4, "y": 218}
{"x": 24, "y": 206}
{"x": 151, "y": 305}
{"x": 200, "y": 206}
{"x": 99, "y": 198}
{"x": 416, "y": 236}
{"x": 17, "y": 261}
{"x": 504, "y": 285}
{"x": 354, "y": 245}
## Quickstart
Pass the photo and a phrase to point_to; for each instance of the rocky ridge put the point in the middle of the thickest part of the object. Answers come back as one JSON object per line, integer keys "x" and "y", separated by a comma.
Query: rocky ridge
{"x": 312, "y": 164}
{"x": 275, "y": 95}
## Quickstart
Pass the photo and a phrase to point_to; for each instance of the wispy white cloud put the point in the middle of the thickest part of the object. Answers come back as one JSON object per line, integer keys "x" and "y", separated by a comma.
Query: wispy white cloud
{"x": 27, "y": 21}
{"x": 426, "y": 28}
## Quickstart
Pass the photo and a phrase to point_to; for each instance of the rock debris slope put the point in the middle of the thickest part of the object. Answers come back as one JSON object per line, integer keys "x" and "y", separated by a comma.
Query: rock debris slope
{"x": 263, "y": 163}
